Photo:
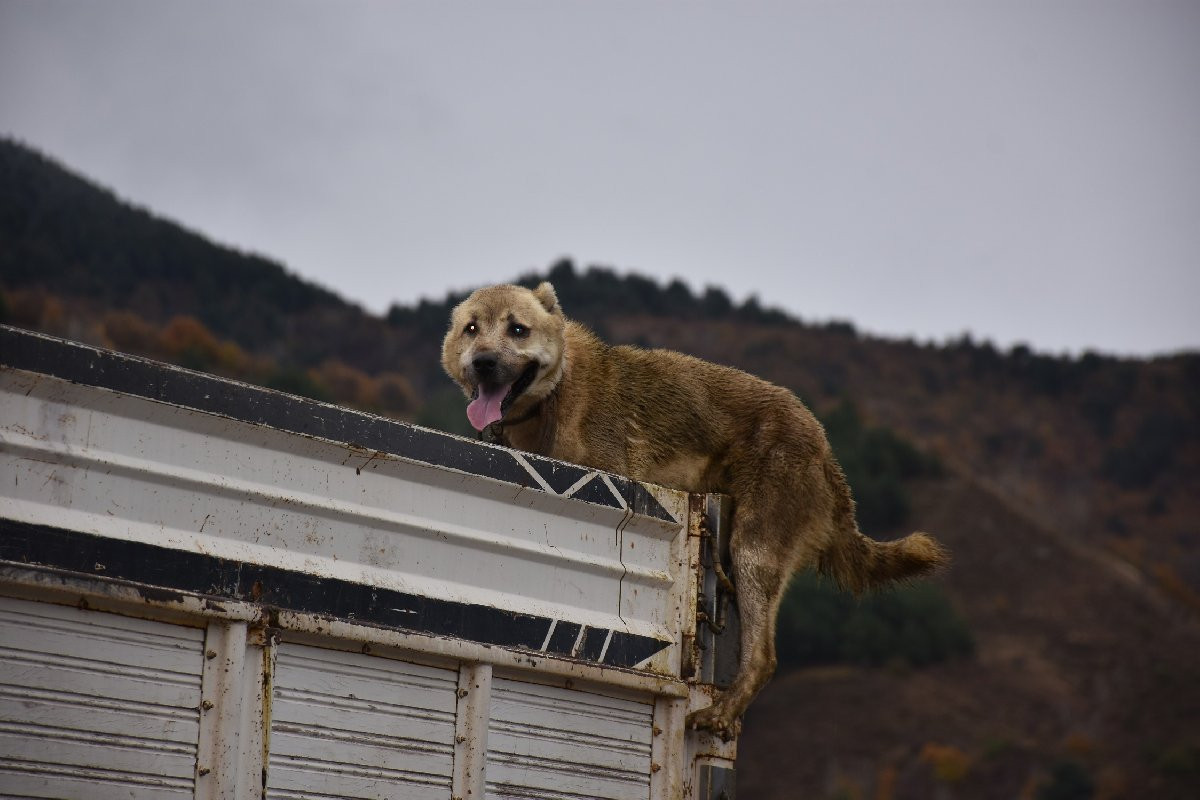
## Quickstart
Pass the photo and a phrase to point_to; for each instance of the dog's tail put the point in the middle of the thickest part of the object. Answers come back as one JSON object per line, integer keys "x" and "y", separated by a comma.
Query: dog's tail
{"x": 859, "y": 563}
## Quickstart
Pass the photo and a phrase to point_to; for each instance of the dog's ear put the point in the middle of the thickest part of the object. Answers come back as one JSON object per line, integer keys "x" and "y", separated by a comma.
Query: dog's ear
{"x": 547, "y": 297}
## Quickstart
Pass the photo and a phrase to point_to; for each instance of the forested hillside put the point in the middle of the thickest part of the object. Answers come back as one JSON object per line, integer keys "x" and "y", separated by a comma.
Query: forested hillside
{"x": 1061, "y": 651}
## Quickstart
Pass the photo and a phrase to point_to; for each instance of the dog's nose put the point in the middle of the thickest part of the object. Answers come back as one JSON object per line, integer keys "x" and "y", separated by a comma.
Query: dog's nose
{"x": 484, "y": 366}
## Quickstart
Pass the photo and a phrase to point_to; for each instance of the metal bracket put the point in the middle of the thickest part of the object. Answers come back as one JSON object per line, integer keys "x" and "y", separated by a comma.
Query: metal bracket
{"x": 715, "y": 783}
{"x": 718, "y": 631}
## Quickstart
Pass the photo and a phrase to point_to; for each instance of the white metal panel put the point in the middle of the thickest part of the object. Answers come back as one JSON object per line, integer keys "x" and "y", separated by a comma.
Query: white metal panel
{"x": 96, "y": 706}
{"x": 348, "y": 725}
{"x": 121, "y": 466}
{"x": 559, "y": 744}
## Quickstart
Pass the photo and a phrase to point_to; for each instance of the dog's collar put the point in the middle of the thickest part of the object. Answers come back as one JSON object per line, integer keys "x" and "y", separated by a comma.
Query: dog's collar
{"x": 532, "y": 412}
{"x": 494, "y": 433}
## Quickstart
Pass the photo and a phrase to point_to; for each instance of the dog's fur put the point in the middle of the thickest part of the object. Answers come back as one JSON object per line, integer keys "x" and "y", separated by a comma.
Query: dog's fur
{"x": 672, "y": 419}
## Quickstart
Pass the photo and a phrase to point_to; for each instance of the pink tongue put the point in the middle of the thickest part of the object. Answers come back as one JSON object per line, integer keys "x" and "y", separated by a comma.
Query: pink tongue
{"x": 485, "y": 409}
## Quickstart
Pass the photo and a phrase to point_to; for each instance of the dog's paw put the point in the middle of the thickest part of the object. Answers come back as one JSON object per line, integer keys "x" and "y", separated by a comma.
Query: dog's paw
{"x": 715, "y": 720}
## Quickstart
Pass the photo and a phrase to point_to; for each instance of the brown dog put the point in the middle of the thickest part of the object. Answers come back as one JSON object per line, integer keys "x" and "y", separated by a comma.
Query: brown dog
{"x": 675, "y": 420}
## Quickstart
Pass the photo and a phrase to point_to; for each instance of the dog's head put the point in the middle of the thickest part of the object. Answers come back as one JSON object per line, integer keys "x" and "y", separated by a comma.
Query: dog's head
{"x": 505, "y": 348}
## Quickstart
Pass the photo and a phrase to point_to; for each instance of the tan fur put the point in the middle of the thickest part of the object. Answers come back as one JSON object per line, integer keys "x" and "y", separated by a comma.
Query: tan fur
{"x": 669, "y": 418}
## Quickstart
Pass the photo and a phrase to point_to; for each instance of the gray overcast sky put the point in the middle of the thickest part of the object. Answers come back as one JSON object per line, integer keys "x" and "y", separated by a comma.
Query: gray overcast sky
{"x": 1027, "y": 171}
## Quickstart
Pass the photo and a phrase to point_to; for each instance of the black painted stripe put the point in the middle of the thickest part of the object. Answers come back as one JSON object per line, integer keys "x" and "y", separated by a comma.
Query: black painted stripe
{"x": 165, "y": 569}
{"x": 594, "y": 491}
{"x": 639, "y": 500}
{"x": 593, "y": 644}
{"x": 626, "y": 648}
{"x": 92, "y": 366}
{"x": 563, "y": 638}
{"x": 558, "y": 475}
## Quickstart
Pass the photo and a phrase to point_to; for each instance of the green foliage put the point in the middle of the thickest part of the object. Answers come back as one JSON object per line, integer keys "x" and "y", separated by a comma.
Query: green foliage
{"x": 1068, "y": 781}
{"x": 1107, "y": 386}
{"x": 1103, "y": 382}
{"x": 1180, "y": 760}
{"x": 428, "y": 317}
{"x": 446, "y": 410}
{"x": 197, "y": 359}
{"x": 915, "y": 624}
{"x": 812, "y": 618}
{"x": 982, "y": 358}
{"x": 996, "y": 746}
{"x": 1042, "y": 374}
{"x": 912, "y": 624}
{"x": 842, "y": 327}
{"x": 715, "y": 303}
{"x": 877, "y": 462}
{"x": 593, "y": 295}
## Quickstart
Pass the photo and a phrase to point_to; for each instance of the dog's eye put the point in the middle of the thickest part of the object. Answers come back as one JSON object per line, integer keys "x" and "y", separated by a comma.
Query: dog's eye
{"x": 518, "y": 330}
{"x": 471, "y": 329}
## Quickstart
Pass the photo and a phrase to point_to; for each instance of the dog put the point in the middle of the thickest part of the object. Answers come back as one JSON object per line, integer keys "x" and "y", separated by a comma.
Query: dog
{"x": 547, "y": 385}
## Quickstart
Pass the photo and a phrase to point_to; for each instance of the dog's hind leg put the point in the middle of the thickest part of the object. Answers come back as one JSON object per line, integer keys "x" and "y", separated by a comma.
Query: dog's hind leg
{"x": 760, "y": 575}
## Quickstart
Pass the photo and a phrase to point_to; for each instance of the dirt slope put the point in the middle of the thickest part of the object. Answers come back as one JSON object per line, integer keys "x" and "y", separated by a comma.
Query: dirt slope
{"x": 1076, "y": 661}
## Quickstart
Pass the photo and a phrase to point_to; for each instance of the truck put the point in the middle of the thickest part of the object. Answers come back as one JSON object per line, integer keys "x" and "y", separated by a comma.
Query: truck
{"x": 210, "y": 589}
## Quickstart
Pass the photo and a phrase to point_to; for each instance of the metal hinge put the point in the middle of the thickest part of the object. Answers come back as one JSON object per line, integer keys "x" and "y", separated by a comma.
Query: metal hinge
{"x": 717, "y": 626}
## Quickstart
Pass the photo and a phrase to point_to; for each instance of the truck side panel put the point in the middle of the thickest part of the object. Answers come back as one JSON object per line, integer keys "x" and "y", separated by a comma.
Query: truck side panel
{"x": 97, "y": 705}
{"x": 349, "y": 725}
{"x": 216, "y": 591}
{"x": 549, "y": 742}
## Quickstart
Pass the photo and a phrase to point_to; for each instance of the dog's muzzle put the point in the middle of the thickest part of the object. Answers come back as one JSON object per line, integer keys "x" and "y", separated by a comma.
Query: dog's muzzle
{"x": 496, "y": 388}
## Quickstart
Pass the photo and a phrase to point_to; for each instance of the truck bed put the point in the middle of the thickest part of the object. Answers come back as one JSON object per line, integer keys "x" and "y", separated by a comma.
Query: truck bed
{"x": 210, "y": 589}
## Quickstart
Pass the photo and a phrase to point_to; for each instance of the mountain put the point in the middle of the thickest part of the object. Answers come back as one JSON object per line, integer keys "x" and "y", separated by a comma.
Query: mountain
{"x": 76, "y": 239}
{"x": 1081, "y": 675}
{"x": 1066, "y": 489}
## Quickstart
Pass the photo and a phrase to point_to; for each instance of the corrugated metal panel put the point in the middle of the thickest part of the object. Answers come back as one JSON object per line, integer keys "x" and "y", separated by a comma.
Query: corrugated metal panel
{"x": 347, "y": 725}
{"x": 558, "y": 744}
{"x": 132, "y": 470}
{"x": 95, "y": 705}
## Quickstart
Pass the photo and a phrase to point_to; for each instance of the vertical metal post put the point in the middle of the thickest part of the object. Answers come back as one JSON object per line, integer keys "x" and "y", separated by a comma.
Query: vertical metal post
{"x": 266, "y": 690}
{"x": 471, "y": 731}
{"x": 252, "y": 745}
{"x": 718, "y": 634}
{"x": 668, "y": 762}
{"x": 223, "y": 753}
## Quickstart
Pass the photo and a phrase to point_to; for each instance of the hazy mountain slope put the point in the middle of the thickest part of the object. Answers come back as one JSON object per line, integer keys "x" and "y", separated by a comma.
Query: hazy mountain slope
{"x": 62, "y": 235}
{"x": 1073, "y": 665}
{"x": 1070, "y": 505}
{"x": 1104, "y": 449}
{"x": 61, "y": 232}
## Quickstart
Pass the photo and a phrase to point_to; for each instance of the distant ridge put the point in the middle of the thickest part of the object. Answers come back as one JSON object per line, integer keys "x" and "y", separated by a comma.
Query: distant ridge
{"x": 64, "y": 233}
{"x": 1046, "y": 460}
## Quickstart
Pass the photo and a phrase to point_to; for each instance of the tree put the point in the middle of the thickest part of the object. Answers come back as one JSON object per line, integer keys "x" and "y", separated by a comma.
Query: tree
{"x": 912, "y": 624}
{"x": 715, "y": 303}
{"x": 1068, "y": 781}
